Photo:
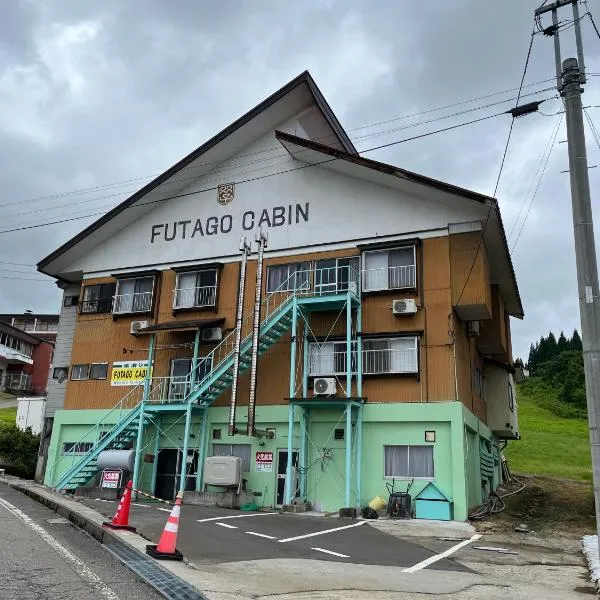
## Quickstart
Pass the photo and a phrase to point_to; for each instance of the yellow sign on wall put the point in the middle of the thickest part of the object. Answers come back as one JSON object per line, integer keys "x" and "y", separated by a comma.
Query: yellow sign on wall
{"x": 129, "y": 372}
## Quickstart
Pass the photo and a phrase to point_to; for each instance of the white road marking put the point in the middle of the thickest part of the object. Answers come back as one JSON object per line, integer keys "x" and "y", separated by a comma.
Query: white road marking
{"x": 164, "y": 509}
{"x": 331, "y": 552}
{"x": 301, "y": 537}
{"x": 435, "y": 558}
{"x": 262, "y": 535}
{"x": 226, "y": 525}
{"x": 138, "y": 504}
{"x": 83, "y": 571}
{"x": 236, "y": 517}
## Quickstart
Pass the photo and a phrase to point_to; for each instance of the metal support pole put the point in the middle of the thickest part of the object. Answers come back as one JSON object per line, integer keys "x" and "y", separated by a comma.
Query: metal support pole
{"x": 579, "y": 43}
{"x": 186, "y": 439}
{"x": 305, "y": 366}
{"x": 202, "y": 449}
{"x": 194, "y": 375}
{"x": 288, "y": 472}
{"x": 348, "y": 346}
{"x": 140, "y": 431}
{"x": 261, "y": 238}
{"x": 348, "y": 453}
{"x": 359, "y": 434}
{"x": 245, "y": 248}
{"x": 359, "y": 410}
{"x": 302, "y": 456}
{"x": 557, "y": 51}
{"x": 157, "y": 421}
{"x": 585, "y": 256}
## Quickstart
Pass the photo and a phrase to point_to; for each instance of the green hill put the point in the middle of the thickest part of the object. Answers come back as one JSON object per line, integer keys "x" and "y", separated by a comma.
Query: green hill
{"x": 550, "y": 445}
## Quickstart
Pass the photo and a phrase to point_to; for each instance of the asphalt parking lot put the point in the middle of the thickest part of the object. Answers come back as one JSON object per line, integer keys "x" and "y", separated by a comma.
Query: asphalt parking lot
{"x": 214, "y": 535}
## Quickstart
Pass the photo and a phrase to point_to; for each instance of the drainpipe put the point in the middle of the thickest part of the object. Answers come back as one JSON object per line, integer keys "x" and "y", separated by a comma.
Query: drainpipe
{"x": 245, "y": 249}
{"x": 261, "y": 238}
{"x": 454, "y": 356}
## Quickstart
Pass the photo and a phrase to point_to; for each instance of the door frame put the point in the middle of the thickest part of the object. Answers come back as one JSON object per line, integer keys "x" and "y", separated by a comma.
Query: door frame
{"x": 278, "y": 452}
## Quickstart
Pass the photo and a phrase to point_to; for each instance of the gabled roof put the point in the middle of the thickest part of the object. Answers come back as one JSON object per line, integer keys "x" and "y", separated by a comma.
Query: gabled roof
{"x": 304, "y": 79}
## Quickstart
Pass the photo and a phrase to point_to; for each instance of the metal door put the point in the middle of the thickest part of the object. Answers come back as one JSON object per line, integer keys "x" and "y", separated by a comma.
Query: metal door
{"x": 282, "y": 456}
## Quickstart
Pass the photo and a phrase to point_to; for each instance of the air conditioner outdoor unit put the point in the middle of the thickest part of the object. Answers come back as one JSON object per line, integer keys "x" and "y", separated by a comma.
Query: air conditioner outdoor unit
{"x": 324, "y": 386}
{"x": 404, "y": 307}
{"x": 136, "y": 326}
{"x": 212, "y": 334}
{"x": 473, "y": 328}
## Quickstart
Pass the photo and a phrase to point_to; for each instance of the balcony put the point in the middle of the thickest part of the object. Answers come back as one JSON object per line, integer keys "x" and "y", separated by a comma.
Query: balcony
{"x": 14, "y": 356}
{"x": 138, "y": 302}
{"x": 95, "y": 306}
{"x": 19, "y": 382}
{"x": 195, "y": 297}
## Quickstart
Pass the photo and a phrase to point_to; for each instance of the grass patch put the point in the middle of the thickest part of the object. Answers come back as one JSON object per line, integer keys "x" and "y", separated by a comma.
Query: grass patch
{"x": 8, "y": 415}
{"x": 5, "y": 396}
{"x": 551, "y": 445}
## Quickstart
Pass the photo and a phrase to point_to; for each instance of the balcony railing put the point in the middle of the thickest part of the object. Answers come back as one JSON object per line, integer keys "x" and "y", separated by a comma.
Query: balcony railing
{"x": 389, "y": 278}
{"x": 96, "y": 306}
{"x": 15, "y": 381}
{"x": 132, "y": 303}
{"x": 321, "y": 282}
{"x": 197, "y": 297}
{"x": 323, "y": 363}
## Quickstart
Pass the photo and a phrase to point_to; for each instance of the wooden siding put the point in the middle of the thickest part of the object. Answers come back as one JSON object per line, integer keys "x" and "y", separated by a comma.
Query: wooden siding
{"x": 471, "y": 296}
{"x": 440, "y": 260}
{"x": 493, "y": 338}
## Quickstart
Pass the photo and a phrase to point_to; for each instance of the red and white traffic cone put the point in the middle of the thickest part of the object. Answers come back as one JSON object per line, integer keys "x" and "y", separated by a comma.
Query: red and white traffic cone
{"x": 121, "y": 518}
{"x": 166, "y": 549}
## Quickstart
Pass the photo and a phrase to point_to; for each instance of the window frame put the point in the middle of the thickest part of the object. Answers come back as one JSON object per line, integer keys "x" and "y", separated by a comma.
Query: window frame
{"x": 134, "y": 278}
{"x": 511, "y": 397}
{"x": 339, "y": 285}
{"x": 86, "y": 378}
{"x": 103, "y": 304}
{"x": 92, "y": 365}
{"x": 74, "y": 301}
{"x": 364, "y": 270}
{"x": 389, "y": 339}
{"x": 407, "y": 477}
{"x": 196, "y": 273}
{"x": 54, "y": 374}
{"x": 249, "y": 446}
{"x": 75, "y": 445}
{"x": 333, "y": 343}
{"x": 308, "y": 269}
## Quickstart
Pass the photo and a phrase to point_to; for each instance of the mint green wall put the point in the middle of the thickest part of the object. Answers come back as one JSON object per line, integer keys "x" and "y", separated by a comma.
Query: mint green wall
{"x": 456, "y": 454}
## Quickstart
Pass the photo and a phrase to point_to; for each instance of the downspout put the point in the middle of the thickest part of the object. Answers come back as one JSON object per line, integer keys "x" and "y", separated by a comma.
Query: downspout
{"x": 453, "y": 334}
{"x": 261, "y": 238}
{"x": 245, "y": 249}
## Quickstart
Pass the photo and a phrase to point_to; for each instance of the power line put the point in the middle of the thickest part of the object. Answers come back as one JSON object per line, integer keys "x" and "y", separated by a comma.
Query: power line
{"x": 27, "y": 279}
{"x": 133, "y": 181}
{"x": 537, "y": 187}
{"x": 495, "y": 202}
{"x": 592, "y": 127}
{"x": 416, "y": 137}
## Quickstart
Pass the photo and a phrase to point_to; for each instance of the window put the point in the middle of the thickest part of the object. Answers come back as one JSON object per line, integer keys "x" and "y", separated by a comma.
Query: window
{"x": 287, "y": 278}
{"x": 478, "y": 384}
{"x": 180, "y": 382}
{"x": 76, "y": 447}
{"x": 70, "y": 301}
{"x": 241, "y": 450}
{"x": 98, "y": 370}
{"x": 60, "y": 374}
{"x": 330, "y": 358}
{"x": 389, "y": 269}
{"x": 195, "y": 289}
{"x": 80, "y": 372}
{"x": 333, "y": 274}
{"x": 406, "y": 462}
{"x": 511, "y": 398}
{"x": 134, "y": 295}
{"x": 98, "y": 298}
{"x": 391, "y": 355}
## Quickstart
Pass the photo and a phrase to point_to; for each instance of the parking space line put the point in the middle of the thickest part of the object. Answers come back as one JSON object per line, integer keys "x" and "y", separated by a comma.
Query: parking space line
{"x": 331, "y": 552}
{"x": 261, "y": 514}
{"x": 301, "y": 537}
{"x": 436, "y": 557}
{"x": 164, "y": 509}
{"x": 262, "y": 535}
{"x": 138, "y": 504}
{"x": 226, "y": 525}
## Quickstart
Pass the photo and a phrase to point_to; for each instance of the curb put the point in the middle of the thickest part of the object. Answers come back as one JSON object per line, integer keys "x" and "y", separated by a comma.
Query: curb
{"x": 92, "y": 524}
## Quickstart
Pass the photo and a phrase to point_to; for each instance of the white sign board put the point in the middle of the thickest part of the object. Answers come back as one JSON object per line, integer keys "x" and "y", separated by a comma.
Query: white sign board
{"x": 264, "y": 462}
{"x": 111, "y": 479}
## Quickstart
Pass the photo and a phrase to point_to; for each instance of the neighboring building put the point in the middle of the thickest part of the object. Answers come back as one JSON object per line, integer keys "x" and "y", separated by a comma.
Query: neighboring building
{"x": 41, "y": 326}
{"x": 24, "y": 362}
{"x": 384, "y": 345}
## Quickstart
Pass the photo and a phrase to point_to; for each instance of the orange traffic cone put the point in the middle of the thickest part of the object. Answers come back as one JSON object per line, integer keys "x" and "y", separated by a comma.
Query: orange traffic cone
{"x": 166, "y": 549}
{"x": 121, "y": 518}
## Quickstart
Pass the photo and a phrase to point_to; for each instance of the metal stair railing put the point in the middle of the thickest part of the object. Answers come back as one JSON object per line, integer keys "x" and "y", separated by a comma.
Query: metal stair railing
{"x": 308, "y": 282}
{"x": 107, "y": 425}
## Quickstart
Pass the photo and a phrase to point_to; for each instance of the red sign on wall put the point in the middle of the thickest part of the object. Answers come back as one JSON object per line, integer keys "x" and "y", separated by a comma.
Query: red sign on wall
{"x": 111, "y": 479}
{"x": 264, "y": 462}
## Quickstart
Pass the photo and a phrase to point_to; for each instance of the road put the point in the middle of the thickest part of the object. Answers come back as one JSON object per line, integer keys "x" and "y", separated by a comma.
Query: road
{"x": 44, "y": 557}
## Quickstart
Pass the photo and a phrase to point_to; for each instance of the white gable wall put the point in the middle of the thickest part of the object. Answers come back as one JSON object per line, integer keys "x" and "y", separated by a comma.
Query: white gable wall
{"x": 298, "y": 205}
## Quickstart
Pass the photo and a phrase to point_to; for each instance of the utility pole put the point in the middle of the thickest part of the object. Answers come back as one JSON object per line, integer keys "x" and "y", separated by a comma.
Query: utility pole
{"x": 570, "y": 77}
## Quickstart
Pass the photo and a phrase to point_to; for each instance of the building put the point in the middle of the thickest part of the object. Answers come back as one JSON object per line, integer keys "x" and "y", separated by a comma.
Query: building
{"x": 384, "y": 344}
{"x": 25, "y": 362}
{"x": 40, "y": 326}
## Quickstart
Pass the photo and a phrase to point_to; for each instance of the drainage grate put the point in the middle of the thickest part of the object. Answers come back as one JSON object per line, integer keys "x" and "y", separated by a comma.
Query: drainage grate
{"x": 169, "y": 585}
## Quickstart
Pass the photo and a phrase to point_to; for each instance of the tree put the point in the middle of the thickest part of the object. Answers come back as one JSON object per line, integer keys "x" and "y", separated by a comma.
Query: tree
{"x": 552, "y": 345}
{"x": 575, "y": 342}
{"x": 562, "y": 343}
{"x": 18, "y": 450}
{"x": 532, "y": 359}
{"x": 543, "y": 353}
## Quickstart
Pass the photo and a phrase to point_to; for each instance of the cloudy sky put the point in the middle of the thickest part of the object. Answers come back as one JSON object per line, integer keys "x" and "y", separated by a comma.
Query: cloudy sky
{"x": 99, "y": 93}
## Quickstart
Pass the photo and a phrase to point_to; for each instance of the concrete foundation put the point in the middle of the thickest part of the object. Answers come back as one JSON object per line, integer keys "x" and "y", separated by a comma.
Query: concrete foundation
{"x": 220, "y": 499}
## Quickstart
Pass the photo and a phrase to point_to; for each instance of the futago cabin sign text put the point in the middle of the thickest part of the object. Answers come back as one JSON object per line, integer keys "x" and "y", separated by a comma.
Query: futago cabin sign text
{"x": 276, "y": 216}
